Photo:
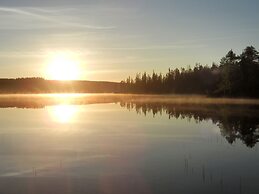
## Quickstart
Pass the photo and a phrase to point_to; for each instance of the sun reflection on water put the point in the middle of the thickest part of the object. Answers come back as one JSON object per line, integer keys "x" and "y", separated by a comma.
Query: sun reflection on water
{"x": 64, "y": 113}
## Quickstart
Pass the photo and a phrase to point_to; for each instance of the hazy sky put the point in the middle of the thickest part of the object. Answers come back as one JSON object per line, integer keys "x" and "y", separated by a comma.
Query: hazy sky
{"x": 116, "y": 38}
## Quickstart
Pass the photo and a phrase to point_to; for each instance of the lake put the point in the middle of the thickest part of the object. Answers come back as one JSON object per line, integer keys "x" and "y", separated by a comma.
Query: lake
{"x": 128, "y": 144}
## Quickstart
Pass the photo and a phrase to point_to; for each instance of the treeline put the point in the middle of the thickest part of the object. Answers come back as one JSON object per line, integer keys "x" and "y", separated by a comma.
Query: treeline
{"x": 236, "y": 75}
{"x": 40, "y": 85}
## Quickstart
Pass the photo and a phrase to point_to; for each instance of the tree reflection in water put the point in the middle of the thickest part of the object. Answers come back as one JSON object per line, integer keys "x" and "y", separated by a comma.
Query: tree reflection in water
{"x": 235, "y": 121}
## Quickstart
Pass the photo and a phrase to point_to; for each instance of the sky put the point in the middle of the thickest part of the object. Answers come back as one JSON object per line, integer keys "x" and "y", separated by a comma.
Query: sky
{"x": 112, "y": 39}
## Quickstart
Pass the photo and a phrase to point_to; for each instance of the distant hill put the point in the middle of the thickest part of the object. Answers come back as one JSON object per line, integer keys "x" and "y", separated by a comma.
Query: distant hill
{"x": 40, "y": 85}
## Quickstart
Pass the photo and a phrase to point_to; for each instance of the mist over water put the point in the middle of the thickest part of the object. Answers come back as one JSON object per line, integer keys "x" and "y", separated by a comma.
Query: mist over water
{"x": 128, "y": 144}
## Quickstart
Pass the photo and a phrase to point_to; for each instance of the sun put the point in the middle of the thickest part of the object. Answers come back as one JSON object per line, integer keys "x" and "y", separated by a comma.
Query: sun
{"x": 63, "y": 66}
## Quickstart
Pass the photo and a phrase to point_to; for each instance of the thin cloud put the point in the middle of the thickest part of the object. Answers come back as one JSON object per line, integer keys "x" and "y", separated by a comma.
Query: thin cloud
{"x": 155, "y": 47}
{"x": 12, "y": 54}
{"x": 104, "y": 71}
{"x": 45, "y": 53}
{"x": 50, "y": 10}
{"x": 50, "y": 19}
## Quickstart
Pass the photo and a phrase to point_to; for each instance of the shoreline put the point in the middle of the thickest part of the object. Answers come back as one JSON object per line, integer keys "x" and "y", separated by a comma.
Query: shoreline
{"x": 86, "y": 98}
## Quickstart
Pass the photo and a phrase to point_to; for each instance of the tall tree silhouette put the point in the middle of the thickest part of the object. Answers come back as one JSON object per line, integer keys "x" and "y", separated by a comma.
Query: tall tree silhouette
{"x": 230, "y": 74}
{"x": 249, "y": 65}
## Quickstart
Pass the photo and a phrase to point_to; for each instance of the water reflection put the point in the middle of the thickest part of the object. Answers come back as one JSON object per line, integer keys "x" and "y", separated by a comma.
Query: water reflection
{"x": 109, "y": 148}
{"x": 237, "y": 119}
{"x": 63, "y": 113}
{"x": 235, "y": 122}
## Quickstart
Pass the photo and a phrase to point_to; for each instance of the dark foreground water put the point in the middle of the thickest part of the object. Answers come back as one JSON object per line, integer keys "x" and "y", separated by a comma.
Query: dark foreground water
{"x": 128, "y": 147}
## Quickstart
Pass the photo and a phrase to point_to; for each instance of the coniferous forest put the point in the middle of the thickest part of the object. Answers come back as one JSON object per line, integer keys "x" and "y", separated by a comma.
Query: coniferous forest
{"x": 235, "y": 76}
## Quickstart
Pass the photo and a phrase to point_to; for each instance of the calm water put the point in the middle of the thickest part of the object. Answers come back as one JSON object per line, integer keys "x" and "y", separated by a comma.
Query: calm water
{"x": 125, "y": 147}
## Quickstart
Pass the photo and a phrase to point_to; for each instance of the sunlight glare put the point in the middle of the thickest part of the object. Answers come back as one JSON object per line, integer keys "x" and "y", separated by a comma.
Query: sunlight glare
{"x": 63, "y": 113}
{"x": 63, "y": 66}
